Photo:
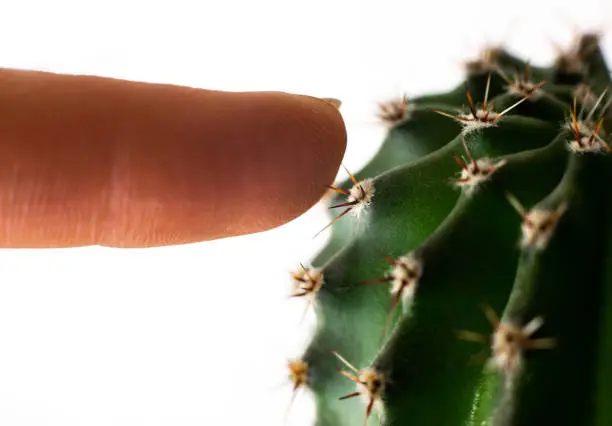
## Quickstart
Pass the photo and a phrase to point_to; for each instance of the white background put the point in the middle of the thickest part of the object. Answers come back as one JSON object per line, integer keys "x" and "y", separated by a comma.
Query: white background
{"x": 199, "y": 334}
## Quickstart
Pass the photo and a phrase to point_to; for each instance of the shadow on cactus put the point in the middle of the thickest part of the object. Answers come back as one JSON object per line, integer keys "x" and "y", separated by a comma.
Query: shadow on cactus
{"x": 468, "y": 278}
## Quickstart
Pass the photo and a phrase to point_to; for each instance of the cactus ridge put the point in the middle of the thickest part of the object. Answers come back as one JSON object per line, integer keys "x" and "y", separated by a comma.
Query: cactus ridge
{"x": 473, "y": 283}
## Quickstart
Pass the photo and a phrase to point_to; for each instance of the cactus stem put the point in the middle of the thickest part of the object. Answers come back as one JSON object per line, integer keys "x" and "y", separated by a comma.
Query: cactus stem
{"x": 394, "y": 303}
{"x": 394, "y": 110}
{"x": 375, "y": 281}
{"x": 554, "y": 153}
{"x": 359, "y": 197}
{"x": 370, "y": 383}
{"x": 538, "y": 225}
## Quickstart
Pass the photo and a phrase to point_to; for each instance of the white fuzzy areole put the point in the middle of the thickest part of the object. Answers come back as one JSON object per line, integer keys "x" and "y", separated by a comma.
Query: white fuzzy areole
{"x": 477, "y": 174}
{"x": 507, "y": 346}
{"x": 586, "y": 128}
{"x": 372, "y": 390}
{"x": 482, "y": 120}
{"x": 592, "y": 137}
{"x": 508, "y": 343}
{"x": 313, "y": 278}
{"x": 395, "y": 110}
{"x": 406, "y": 274}
{"x": 298, "y": 372}
{"x": 372, "y": 384}
{"x": 362, "y": 193}
{"x": 526, "y": 88}
{"x": 538, "y": 227}
{"x": 587, "y": 145}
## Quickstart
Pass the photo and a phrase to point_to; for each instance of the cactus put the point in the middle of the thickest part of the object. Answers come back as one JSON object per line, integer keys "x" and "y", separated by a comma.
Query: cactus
{"x": 469, "y": 268}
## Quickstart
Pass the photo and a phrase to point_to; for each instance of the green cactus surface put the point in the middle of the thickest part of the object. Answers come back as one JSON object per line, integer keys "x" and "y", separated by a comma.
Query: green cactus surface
{"x": 468, "y": 276}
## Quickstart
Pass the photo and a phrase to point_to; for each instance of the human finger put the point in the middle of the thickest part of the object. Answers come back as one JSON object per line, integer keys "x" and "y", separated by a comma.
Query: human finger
{"x": 87, "y": 160}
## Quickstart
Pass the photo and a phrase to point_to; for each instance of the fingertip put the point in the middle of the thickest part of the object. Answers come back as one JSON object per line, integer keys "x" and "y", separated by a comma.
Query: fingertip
{"x": 305, "y": 160}
{"x": 328, "y": 149}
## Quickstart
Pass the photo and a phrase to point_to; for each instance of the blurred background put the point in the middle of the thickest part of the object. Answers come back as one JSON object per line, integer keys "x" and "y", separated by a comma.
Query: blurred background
{"x": 200, "y": 334}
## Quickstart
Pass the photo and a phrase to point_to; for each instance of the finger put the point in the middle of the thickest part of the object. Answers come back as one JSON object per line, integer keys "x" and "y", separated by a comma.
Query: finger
{"x": 87, "y": 160}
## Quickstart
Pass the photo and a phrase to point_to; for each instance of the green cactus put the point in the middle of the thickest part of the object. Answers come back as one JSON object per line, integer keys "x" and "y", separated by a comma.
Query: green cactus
{"x": 431, "y": 245}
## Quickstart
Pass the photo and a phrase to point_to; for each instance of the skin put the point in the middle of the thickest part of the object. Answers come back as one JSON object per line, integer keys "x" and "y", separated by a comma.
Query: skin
{"x": 86, "y": 160}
